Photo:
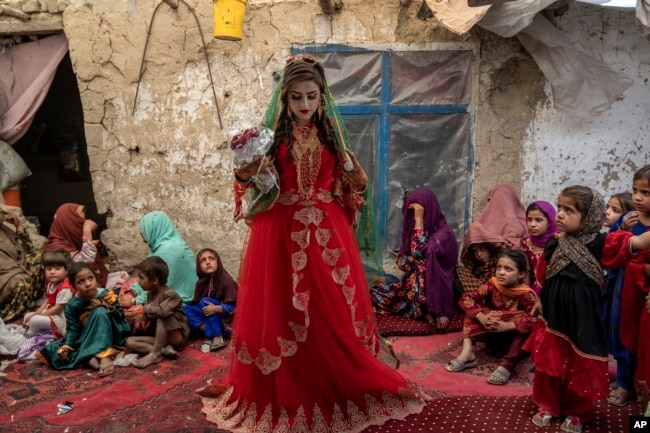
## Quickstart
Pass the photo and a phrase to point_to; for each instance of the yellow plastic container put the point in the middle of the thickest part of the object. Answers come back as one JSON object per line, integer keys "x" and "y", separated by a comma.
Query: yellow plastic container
{"x": 229, "y": 19}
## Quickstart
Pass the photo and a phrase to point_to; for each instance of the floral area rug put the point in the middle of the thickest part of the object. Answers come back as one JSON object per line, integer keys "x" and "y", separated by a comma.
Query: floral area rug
{"x": 390, "y": 325}
{"x": 131, "y": 399}
{"x": 429, "y": 354}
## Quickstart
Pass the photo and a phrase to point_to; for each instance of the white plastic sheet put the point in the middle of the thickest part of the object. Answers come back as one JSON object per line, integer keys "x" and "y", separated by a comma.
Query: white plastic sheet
{"x": 582, "y": 85}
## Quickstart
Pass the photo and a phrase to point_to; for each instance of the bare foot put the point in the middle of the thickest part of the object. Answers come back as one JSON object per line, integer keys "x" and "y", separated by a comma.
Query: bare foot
{"x": 106, "y": 367}
{"x": 147, "y": 360}
{"x": 94, "y": 363}
{"x": 169, "y": 352}
{"x": 442, "y": 322}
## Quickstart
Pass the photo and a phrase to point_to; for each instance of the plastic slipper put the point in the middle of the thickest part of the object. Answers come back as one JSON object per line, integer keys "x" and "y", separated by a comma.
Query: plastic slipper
{"x": 619, "y": 397}
{"x": 499, "y": 376}
{"x": 455, "y": 365}
{"x": 206, "y": 345}
{"x": 571, "y": 424}
{"x": 218, "y": 345}
{"x": 542, "y": 419}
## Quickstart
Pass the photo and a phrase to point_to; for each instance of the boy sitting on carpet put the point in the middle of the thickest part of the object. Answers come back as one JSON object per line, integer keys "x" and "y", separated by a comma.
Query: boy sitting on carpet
{"x": 167, "y": 325}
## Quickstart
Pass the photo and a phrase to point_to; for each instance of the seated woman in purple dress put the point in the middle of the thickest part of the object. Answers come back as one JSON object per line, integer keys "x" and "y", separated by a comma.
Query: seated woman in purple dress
{"x": 428, "y": 255}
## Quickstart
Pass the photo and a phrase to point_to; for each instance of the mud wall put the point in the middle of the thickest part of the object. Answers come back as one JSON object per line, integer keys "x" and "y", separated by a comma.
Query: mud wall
{"x": 170, "y": 153}
{"x": 167, "y": 150}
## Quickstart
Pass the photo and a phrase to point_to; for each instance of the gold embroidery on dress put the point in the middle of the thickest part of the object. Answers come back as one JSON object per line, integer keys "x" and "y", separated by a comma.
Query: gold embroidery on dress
{"x": 267, "y": 362}
{"x": 299, "y": 331}
{"x": 348, "y": 293}
{"x": 249, "y": 419}
{"x": 339, "y": 424}
{"x": 309, "y": 215}
{"x": 301, "y": 238}
{"x": 361, "y": 327}
{"x": 288, "y": 198}
{"x": 341, "y": 274}
{"x": 300, "y": 422}
{"x": 306, "y": 150}
{"x": 392, "y": 403}
{"x": 331, "y": 255}
{"x": 357, "y": 418}
{"x": 300, "y": 301}
{"x": 296, "y": 280}
{"x": 265, "y": 424}
{"x": 244, "y": 356}
{"x": 241, "y": 417}
{"x": 299, "y": 260}
{"x": 323, "y": 236}
{"x": 283, "y": 422}
{"x": 287, "y": 347}
{"x": 373, "y": 408}
{"x": 324, "y": 195}
{"x": 318, "y": 424}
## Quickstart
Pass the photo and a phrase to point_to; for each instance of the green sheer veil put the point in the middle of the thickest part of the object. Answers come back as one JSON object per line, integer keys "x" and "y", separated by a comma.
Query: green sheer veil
{"x": 366, "y": 232}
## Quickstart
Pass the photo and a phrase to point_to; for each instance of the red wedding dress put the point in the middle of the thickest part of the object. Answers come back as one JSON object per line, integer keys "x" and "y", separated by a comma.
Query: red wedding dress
{"x": 305, "y": 339}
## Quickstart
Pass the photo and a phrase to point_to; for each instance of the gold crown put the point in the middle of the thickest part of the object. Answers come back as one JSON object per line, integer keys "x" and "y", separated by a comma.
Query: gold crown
{"x": 302, "y": 58}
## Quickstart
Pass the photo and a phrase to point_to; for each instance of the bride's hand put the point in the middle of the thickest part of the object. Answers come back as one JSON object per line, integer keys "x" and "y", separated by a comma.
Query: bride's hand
{"x": 357, "y": 178}
{"x": 245, "y": 172}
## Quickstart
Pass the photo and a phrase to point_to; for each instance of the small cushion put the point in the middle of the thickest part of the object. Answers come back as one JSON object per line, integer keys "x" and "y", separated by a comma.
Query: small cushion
{"x": 12, "y": 167}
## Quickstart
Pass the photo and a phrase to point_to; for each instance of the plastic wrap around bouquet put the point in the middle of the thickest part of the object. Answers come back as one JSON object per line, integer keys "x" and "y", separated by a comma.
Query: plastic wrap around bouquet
{"x": 249, "y": 145}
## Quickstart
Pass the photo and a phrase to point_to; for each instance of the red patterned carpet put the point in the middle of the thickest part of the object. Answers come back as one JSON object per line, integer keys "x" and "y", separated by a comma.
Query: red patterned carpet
{"x": 161, "y": 398}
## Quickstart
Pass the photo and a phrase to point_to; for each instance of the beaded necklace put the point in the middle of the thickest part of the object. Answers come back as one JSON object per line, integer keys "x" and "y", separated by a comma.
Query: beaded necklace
{"x": 307, "y": 154}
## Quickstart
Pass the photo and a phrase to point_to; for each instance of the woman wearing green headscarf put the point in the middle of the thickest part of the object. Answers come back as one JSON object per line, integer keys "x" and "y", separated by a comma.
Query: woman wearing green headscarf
{"x": 164, "y": 241}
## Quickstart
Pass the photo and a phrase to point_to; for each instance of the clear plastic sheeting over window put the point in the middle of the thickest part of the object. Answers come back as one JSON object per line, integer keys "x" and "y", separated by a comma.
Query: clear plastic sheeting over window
{"x": 431, "y": 77}
{"x": 362, "y": 133}
{"x": 432, "y": 151}
{"x": 408, "y": 122}
{"x": 354, "y": 78}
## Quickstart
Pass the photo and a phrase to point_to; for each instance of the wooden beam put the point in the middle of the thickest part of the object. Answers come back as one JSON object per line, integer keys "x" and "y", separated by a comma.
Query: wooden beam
{"x": 11, "y": 12}
{"x": 16, "y": 27}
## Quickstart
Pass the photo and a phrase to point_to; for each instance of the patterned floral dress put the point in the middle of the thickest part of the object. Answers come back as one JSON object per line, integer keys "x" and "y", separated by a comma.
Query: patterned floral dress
{"x": 407, "y": 297}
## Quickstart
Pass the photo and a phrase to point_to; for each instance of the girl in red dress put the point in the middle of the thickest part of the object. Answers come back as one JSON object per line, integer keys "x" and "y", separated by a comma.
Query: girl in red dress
{"x": 305, "y": 341}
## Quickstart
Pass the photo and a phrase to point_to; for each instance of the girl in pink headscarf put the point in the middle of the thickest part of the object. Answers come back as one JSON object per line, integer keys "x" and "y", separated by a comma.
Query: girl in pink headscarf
{"x": 540, "y": 217}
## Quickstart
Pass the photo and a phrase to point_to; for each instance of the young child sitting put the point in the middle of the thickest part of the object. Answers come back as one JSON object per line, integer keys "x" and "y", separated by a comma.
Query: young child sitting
{"x": 96, "y": 328}
{"x": 499, "y": 310}
{"x": 214, "y": 298}
{"x": 49, "y": 316}
{"x": 167, "y": 328}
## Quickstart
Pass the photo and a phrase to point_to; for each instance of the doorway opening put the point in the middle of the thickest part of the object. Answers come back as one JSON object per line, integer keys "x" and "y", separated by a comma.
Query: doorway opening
{"x": 54, "y": 148}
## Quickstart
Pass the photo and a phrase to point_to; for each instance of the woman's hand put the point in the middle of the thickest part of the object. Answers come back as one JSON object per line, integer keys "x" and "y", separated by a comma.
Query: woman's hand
{"x": 89, "y": 227}
{"x": 13, "y": 219}
{"x": 246, "y": 172}
{"x": 357, "y": 178}
{"x": 418, "y": 215}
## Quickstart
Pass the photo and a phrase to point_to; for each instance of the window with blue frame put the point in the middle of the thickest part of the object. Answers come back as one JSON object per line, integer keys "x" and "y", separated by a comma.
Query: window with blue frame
{"x": 408, "y": 119}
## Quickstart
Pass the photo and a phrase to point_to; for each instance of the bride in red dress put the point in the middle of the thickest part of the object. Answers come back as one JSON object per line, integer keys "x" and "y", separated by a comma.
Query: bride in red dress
{"x": 305, "y": 341}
